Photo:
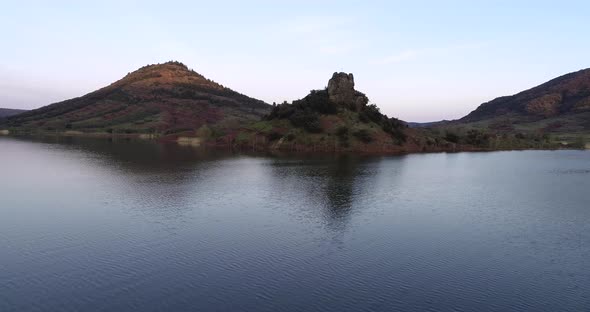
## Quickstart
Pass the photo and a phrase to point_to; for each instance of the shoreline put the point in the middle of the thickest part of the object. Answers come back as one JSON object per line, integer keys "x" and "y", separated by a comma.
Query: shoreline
{"x": 196, "y": 142}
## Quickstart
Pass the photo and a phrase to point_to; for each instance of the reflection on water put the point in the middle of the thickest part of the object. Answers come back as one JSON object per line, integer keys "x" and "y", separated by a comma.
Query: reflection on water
{"x": 102, "y": 225}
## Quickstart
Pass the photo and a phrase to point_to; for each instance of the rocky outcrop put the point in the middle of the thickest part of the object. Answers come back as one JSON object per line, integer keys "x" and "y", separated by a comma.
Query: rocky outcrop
{"x": 341, "y": 91}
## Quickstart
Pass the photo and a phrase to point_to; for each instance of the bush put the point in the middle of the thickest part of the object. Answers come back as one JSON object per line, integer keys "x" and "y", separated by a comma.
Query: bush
{"x": 395, "y": 128}
{"x": 363, "y": 135}
{"x": 281, "y": 111}
{"x": 342, "y": 134}
{"x": 318, "y": 101}
{"x": 478, "y": 138}
{"x": 262, "y": 126}
{"x": 342, "y": 131}
{"x": 363, "y": 118}
{"x": 452, "y": 137}
{"x": 306, "y": 119}
{"x": 371, "y": 113}
{"x": 580, "y": 143}
{"x": 242, "y": 138}
{"x": 273, "y": 136}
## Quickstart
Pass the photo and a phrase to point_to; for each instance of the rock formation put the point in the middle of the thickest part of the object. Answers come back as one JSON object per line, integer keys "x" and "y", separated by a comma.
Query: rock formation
{"x": 341, "y": 91}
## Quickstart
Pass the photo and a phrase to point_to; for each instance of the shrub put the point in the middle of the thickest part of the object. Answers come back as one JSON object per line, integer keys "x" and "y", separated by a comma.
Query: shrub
{"x": 306, "y": 119}
{"x": 318, "y": 101}
{"x": 281, "y": 111}
{"x": 242, "y": 138}
{"x": 363, "y": 135}
{"x": 342, "y": 131}
{"x": 371, "y": 113}
{"x": 273, "y": 136}
{"x": 363, "y": 117}
{"x": 452, "y": 137}
{"x": 395, "y": 128}
{"x": 342, "y": 134}
{"x": 262, "y": 126}
{"x": 478, "y": 138}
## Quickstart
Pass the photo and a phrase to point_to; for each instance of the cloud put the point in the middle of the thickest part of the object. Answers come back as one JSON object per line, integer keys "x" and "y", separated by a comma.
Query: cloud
{"x": 413, "y": 54}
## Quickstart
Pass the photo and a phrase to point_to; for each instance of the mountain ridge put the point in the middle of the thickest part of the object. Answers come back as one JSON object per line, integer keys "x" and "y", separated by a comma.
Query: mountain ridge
{"x": 569, "y": 93}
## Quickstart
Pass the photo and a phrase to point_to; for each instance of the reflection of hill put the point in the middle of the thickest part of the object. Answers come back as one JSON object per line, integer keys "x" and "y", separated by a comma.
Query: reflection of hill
{"x": 159, "y": 179}
{"x": 168, "y": 180}
{"x": 327, "y": 188}
{"x": 135, "y": 156}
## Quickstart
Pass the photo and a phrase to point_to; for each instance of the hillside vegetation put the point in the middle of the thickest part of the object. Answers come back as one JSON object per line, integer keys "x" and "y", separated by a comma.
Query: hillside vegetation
{"x": 172, "y": 102}
{"x": 337, "y": 118}
{"x": 157, "y": 99}
{"x": 551, "y": 115}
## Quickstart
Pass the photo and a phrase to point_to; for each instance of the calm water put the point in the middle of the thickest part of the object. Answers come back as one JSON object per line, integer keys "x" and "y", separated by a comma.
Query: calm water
{"x": 94, "y": 225}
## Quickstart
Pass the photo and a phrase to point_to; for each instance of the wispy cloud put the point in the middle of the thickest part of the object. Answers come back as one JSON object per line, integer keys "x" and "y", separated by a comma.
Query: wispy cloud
{"x": 413, "y": 54}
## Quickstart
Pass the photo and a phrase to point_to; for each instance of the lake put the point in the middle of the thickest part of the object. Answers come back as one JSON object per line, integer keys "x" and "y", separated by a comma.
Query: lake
{"x": 101, "y": 225}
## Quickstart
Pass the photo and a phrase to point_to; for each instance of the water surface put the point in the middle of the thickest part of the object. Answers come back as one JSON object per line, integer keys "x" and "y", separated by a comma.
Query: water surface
{"x": 97, "y": 225}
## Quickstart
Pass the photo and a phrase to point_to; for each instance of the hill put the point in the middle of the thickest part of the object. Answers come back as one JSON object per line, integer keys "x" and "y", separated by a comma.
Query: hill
{"x": 337, "y": 118}
{"x": 7, "y": 112}
{"x": 551, "y": 115}
{"x": 160, "y": 99}
{"x": 562, "y": 104}
{"x": 563, "y": 95}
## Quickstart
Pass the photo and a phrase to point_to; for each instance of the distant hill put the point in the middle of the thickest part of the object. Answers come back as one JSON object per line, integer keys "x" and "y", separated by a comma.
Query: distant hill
{"x": 164, "y": 98}
{"x": 426, "y": 124}
{"x": 563, "y": 102}
{"x": 554, "y": 114}
{"x": 7, "y": 112}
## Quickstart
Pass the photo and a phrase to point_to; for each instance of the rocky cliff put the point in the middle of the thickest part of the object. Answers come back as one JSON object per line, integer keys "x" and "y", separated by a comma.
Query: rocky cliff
{"x": 341, "y": 91}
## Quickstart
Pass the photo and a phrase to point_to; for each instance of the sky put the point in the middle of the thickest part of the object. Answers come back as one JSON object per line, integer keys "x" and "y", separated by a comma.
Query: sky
{"x": 417, "y": 60}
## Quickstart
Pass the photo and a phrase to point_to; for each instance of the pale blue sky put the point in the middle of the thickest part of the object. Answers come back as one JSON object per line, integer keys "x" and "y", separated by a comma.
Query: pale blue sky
{"x": 417, "y": 60}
